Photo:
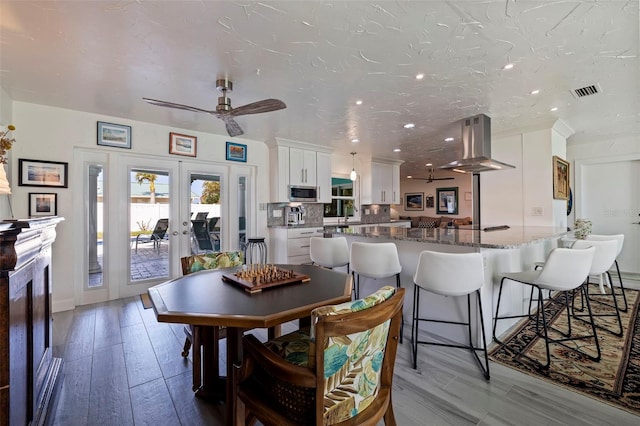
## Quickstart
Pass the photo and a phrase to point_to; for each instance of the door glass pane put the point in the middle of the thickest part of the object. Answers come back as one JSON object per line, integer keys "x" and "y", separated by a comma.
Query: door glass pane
{"x": 95, "y": 233}
{"x": 149, "y": 223}
{"x": 242, "y": 212}
{"x": 206, "y": 235}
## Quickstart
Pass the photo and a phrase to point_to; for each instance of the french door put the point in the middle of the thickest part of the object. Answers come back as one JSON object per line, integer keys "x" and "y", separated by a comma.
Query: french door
{"x": 143, "y": 214}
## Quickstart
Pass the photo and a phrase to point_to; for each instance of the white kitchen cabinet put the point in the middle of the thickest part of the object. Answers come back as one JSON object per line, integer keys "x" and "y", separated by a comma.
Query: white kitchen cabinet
{"x": 323, "y": 163}
{"x": 302, "y": 167}
{"x": 384, "y": 184}
{"x": 294, "y": 163}
{"x": 291, "y": 245}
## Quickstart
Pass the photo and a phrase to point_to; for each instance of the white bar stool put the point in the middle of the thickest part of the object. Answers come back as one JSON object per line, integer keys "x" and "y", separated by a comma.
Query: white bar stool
{"x": 449, "y": 274}
{"x": 619, "y": 238}
{"x": 564, "y": 270}
{"x": 606, "y": 252}
{"x": 375, "y": 260}
{"x": 329, "y": 252}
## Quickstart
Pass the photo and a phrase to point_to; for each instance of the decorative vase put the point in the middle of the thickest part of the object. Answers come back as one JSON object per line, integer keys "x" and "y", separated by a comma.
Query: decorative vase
{"x": 4, "y": 183}
{"x": 582, "y": 228}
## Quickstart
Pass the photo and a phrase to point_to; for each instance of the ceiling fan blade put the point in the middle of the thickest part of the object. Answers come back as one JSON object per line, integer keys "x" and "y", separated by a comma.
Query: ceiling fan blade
{"x": 265, "y": 105}
{"x": 444, "y": 178}
{"x": 176, "y": 106}
{"x": 233, "y": 128}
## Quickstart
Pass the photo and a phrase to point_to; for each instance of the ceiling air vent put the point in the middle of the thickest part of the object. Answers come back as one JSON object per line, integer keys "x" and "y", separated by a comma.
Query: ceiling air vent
{"x": 586, "y": 91}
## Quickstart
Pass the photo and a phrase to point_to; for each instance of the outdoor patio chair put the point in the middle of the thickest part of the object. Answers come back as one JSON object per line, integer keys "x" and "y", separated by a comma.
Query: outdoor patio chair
{"x": 200, "y": 230}
{"x": 156, "y": 236}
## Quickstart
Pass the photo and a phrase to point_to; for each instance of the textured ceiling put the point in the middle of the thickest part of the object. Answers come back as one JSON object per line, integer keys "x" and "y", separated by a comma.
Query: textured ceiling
{"x": 319, "y": 57}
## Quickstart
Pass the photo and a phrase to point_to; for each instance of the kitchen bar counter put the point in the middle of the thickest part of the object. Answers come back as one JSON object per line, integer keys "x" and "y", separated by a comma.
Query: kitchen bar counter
{"x": 513, "y": 237}
{"x": 507, "y": 250}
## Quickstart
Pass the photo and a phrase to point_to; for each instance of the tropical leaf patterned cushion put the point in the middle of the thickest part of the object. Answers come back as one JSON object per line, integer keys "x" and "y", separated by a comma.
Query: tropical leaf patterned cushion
{"x": 352, "y": 363}
{"x": 216, "y": 260}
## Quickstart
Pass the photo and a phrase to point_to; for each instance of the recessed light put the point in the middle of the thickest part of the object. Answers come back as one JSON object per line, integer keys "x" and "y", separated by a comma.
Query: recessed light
{"x": 397, "y": 150}
{"x": 535, "y": 92}
{"x": 428, "y": 164}
{"x": 355, "y": 140}
{"x": 409, "y": 126}
{"x": 508, "y": 67}
{"x": 419, "y": 76}
{"x": 358, "y": 102}
{"x": 409, "y": 177}
{"x": 553, "y": 109}
{"x": 449, "y": 139}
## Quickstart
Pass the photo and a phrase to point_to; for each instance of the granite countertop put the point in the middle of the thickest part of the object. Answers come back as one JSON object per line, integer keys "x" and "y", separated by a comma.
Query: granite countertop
{"x": 514, "y": 237}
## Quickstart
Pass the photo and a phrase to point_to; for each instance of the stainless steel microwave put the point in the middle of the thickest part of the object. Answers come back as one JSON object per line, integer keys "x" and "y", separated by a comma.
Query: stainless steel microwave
{"x": 303, "y": 193}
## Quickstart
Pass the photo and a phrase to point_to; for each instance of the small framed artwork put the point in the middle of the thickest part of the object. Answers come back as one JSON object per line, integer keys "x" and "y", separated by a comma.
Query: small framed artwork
{"x": 428, "y": 201}
{"x": 447, "y": 200}
{"x": 236, "y": 152}
{"x": 414, "y": 201}
{"x": 182, "y": 144}
{"x": 43, "y": 204}
{"x": 560, "y": 178}
{"x": 117, "y": 135}
{"x": 42, "y": 173}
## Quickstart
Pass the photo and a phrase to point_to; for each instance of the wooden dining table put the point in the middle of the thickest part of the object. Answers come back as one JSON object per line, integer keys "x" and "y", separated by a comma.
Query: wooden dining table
{"x": 204, "y": 300}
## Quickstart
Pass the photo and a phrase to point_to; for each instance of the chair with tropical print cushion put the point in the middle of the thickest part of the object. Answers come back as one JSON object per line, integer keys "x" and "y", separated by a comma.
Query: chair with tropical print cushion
{"x": 201, "y": 262}
{"x": 338, "y": 373}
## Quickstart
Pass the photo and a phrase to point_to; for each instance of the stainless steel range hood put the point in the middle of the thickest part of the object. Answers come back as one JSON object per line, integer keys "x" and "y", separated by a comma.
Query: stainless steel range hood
{"x": 476, "y": 144}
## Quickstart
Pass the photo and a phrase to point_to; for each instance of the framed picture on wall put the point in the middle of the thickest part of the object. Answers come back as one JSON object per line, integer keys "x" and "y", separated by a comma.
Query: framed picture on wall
{"x": 447, "y": 200}
{"x": 117, "y": 135}
{"x": 414, "y": 201}
{"x": 42, "y": 173}
{"x": 182, "y": 144}
{"x": 43, "y": 204}
{"x": 560, "y": 178}
{"x": 428, "y": 201}
{"x": 236, "y": 152}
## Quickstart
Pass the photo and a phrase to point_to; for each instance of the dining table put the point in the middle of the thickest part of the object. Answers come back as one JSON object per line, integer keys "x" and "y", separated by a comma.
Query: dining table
{"x": 207, "y": 300}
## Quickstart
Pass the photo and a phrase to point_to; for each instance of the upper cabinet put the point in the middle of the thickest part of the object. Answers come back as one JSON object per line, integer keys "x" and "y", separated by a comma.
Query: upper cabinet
{"x": 382, "y": 184}
{"x": 299, "y": 164}
{"x": 302, "y": 167}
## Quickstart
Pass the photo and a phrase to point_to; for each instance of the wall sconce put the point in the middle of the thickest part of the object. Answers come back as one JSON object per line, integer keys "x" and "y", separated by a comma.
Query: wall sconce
{"x": 353, "y": 176}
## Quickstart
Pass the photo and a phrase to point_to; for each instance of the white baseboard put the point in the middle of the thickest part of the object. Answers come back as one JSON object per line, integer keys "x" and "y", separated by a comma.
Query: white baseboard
{"x": 63, "y": 305}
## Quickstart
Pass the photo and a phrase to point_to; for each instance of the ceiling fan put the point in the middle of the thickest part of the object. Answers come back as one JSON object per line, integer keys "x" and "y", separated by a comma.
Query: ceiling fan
{"x": 431, "y": 178}
{"x": 224, "y": 111}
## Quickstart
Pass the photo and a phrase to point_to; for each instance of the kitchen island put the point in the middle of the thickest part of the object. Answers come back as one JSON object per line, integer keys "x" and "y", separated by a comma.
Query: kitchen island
{"x": 503, "y": 250}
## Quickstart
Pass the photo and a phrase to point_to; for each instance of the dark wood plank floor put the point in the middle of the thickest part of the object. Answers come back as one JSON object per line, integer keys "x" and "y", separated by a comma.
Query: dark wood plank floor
{"x": 122, "y": 367}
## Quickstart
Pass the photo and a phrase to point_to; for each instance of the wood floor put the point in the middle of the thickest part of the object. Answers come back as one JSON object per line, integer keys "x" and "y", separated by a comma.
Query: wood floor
{"x": 122, "y": 367}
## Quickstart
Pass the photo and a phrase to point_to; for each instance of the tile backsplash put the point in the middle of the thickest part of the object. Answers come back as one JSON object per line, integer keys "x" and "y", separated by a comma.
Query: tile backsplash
{"x": 313, "y": 215}
{"x": 375, "y": 213}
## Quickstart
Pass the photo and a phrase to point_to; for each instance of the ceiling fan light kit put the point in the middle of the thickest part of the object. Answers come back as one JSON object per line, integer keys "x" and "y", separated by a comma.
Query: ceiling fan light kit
{"x": 223, "y": 110}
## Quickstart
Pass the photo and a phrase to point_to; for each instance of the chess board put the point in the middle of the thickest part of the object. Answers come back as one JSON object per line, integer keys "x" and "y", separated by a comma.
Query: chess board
{"x": 258, "y": 277}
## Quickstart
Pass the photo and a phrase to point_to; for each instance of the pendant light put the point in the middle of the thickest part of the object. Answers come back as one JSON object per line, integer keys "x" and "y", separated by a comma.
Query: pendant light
{"x": 353, "y": 174}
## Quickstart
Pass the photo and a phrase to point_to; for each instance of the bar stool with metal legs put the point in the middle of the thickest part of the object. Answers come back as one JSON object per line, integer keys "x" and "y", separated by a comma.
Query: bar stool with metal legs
{"x": 606, "y": 252}
{"x": 449, "y": 274}
{"x": 375, "y": 260}
{"x": 565, "y": 270}
{"x": 329, "y": 252}
{"x": 619, "y": 238}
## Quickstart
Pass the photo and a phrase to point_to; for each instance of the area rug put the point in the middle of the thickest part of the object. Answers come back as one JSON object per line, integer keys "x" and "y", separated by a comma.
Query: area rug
{"x": 146, "y": 301}
{"x": 615, "y": 379}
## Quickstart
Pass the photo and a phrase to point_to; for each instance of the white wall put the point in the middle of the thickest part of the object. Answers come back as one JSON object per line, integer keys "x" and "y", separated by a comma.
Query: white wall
{"x": 52, "y": 134}
{"x": 6, "y": 118}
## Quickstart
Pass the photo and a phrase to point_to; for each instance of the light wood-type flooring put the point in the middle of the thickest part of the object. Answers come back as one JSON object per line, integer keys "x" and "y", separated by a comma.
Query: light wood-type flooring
{"x": 122, "y": 367}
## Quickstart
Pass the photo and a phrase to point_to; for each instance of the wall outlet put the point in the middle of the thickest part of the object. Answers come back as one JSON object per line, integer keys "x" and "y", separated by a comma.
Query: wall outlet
{"x": 277, "y": 213}
{"x": 537, "y": 211}
{"x": 367, "y": 211}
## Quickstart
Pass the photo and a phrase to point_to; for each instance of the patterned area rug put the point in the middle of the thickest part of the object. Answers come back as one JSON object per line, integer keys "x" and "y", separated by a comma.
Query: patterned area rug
{"x": 615, "y": 379}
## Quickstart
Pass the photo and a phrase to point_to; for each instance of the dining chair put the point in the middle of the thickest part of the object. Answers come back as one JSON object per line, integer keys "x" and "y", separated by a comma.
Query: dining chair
{"x": 606, "y": 252}
{"x": 339, "y": 372}
{"x": 193, "y": 264}
{"x": 450, "y": 274}
{"x": 329, "y": 252}
{"x": 564, "y": 270}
